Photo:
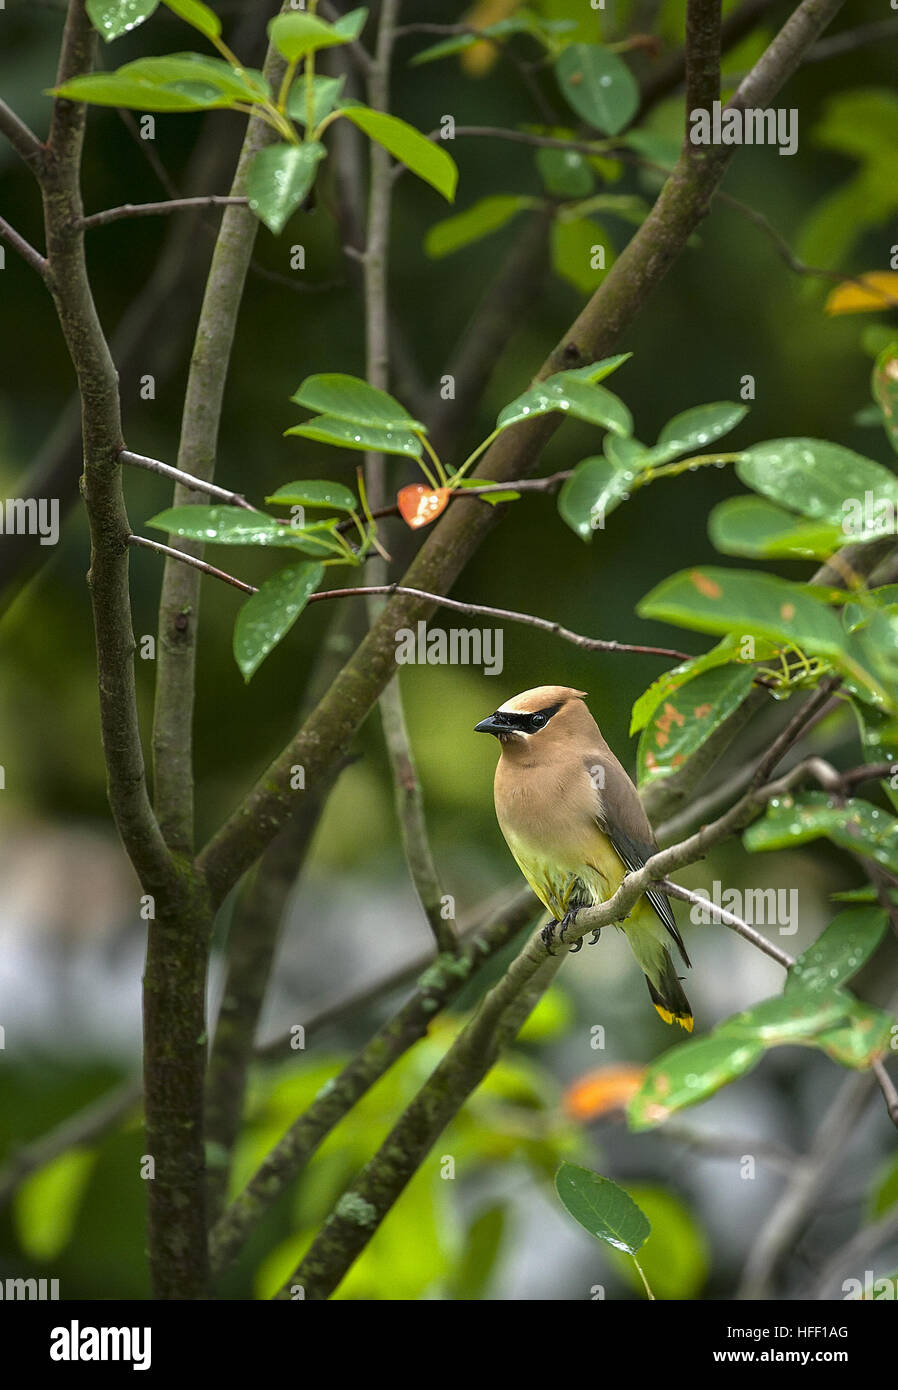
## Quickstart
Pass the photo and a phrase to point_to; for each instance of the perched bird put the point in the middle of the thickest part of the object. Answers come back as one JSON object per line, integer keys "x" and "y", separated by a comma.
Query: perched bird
{"x": 574, "y": 822}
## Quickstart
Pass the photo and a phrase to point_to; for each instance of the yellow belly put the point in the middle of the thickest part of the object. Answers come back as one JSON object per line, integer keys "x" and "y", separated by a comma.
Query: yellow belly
{"x": 587, "y": 881}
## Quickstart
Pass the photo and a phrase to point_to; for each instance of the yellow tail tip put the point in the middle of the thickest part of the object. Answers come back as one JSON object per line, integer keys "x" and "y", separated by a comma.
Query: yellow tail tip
{"x": 685, "y": 1020}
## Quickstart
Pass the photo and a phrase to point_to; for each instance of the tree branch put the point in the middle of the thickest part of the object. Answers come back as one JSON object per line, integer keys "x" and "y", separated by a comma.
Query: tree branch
{"x": 24, "y": 249}
{"x": 641, "y": 266}
{"x": 209, "y": 200}
{"x": 443, "y": 979}
{"x": 176, "y": 899}
{"x": 23, "y": 140}
{"x": 179, "y": 603}
{"x": 186, "y": 480}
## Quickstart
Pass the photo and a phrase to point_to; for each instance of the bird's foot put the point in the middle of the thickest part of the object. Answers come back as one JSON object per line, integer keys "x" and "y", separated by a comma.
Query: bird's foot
{"x": 548, "y": 936}
{"x": 568, "y": 921}
{"x": 593, "y": 940}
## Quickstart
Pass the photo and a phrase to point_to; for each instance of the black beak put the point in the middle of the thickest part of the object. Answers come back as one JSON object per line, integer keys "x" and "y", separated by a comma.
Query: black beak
{"x": 492, "y": 725}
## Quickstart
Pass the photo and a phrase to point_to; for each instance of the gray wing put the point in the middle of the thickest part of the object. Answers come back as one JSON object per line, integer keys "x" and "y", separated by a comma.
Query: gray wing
{"x": 623, "y": 820}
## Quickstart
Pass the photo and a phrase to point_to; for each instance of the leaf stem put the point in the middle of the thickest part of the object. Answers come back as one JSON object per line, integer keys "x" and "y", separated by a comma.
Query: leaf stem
{"x": 643, "y": 1278}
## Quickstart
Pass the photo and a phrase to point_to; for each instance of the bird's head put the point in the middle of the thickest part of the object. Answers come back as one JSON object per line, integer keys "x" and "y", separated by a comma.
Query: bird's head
{"x": 541, "y": 713}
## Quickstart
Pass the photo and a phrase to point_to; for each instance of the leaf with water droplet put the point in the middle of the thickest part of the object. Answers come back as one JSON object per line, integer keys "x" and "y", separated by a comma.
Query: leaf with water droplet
{"x": 849, "y": 940}
{"x": 269, "y": 615}
{"x": 598, "y": 85}
{"x": 112, "y": 18}
{"x": 279, "y": 178}
{"x": 347, "y": 434}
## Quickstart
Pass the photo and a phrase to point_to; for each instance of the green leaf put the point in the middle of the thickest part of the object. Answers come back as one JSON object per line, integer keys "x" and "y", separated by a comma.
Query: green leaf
{"x": 688, "y": 717}
{"x": 493, "y": 498}
{"x": 112, "y": 18}
{"x": 46, "y": 1205}
{"x": 279, "y": 178}
{"x": 694, "y": 429}
{"x": 670, "y": 681}
{"x": 195, "y": 70}
{"x": 879, "y": 740}
{"x": 570, "y": 394}
{"x": 522, "y": 23}
{"x": 857, "y": 826}
{"x": 236, "y": 526}
{"x": 598, "y": 85}
{"x": 788, "y": 1018}
{"x": 602, "y": 1208}
{"x": 885, "y": 390}
{"x": 269, "y": 615}
{"x": 592, "y": 491}
{"x": 481, "y": 220}
{"x": 597, "y": 371}
{"x": 884, "y": 1189}
{"x": 745, "y": 602}
{"x": 200, "y": 16}
{"x": 326, "y": 91}
{"x": 575, "y": 244}
{"x": 689, "y": 1073}
{"x": 348, "y": 434}
{"x": 823, "y": 481}
{"x": 565, "y": 173}
{"x": 315, "y": 494}
{"x": 429, "y": 161}
{"x": 351, "y": 398}
{"x": 296, "y": 35}
{"x": 755, "y": 527}
{"x": 865, "y": 1035}
{"x": 839, "y": 952}
{"x": 675, "y": 1257}
{"x": 351, "y": 24}
{"x": 109, "y": 89}
{"x": 858, "y": 613}
{"x": 482, "y": 1243}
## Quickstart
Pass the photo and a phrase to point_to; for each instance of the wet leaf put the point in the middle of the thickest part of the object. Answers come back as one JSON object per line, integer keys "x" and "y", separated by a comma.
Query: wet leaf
{"x": 598, "y": 85}
{"x": 269, "y": 615}
{"x": 681, "y": 723}
{"x": 279, "y": 178}
{"x": 602, "y": 1208}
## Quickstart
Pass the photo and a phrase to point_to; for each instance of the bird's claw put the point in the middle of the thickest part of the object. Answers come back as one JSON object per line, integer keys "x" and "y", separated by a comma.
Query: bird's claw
{"x": 593, "y": 940}
{"x": 548, "y": 936}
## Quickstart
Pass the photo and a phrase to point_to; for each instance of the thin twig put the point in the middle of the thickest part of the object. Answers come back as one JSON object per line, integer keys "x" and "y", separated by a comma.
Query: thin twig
{"x": 23, "y": 139}
{"x": 183, "y": 558}
{"x": 887, "y": 1086}
{"x": 25, "y": 249}
{"x": 187, "y": 480}
{"x": 209, "y": 200}
{"x": 729, "y": 919}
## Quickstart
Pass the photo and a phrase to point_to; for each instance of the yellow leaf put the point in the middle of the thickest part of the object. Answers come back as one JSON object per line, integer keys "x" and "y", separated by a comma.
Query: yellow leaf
{"x": 481, "y": 57}
{"x": 878, "y": 290}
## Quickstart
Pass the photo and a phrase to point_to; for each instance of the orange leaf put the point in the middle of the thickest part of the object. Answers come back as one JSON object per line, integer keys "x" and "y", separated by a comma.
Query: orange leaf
{"x": 602, "y": 1091}
{"x": 420, "y": 505}
{"x": 878, "y": 290}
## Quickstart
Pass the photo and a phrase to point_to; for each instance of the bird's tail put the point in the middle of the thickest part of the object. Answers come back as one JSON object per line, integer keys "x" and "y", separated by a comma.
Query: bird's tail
{"x": 652, "y": 954}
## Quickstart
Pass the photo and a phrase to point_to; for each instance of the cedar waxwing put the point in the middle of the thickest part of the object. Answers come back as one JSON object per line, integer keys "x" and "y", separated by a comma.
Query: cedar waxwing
{"x": 574, "y": 822}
